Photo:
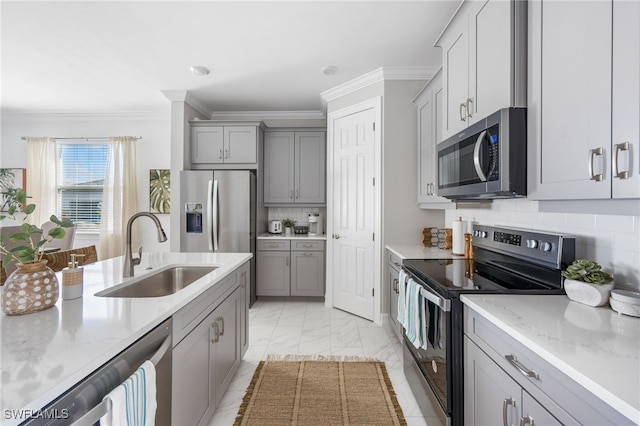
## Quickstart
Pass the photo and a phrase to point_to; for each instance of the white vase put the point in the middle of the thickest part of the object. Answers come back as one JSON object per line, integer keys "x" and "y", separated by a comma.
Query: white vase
{"x": 287, "y": 230}
{"x": 587, "y": 293}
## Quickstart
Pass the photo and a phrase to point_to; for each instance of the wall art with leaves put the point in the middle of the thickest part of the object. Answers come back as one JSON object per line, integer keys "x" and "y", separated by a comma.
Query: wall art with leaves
{"x": 159, "y": 190}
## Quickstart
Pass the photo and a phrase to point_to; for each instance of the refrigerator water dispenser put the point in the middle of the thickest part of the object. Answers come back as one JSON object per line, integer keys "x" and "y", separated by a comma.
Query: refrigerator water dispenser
{"x": 194, "y": 217}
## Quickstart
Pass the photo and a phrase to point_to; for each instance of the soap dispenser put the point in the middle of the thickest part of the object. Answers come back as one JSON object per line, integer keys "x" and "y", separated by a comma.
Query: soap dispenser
{"x": 72, "y": 279}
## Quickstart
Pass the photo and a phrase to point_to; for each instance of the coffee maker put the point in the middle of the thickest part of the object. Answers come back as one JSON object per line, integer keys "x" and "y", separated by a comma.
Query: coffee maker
{"x": 316, "y": 226}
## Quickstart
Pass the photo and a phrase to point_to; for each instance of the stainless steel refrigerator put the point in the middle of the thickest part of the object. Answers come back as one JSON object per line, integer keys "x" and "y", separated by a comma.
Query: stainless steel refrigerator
{"x": 218, "y": 213}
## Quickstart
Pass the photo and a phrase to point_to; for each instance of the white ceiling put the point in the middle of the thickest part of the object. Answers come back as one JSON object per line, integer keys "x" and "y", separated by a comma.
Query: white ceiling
{"x": 104, "y": 56}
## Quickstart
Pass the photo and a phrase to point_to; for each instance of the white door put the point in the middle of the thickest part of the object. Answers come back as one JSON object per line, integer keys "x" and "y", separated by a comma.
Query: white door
{"x": 354, "y": 212}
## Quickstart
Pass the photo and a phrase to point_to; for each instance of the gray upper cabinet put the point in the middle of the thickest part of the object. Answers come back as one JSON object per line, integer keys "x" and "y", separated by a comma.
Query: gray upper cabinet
{"x": 295, "y": 168}
{"x": 584, "y": 130}
{"x": 218, "y": 144}
{"x": 483, "y": 61}
{"x": 429, "y": 109}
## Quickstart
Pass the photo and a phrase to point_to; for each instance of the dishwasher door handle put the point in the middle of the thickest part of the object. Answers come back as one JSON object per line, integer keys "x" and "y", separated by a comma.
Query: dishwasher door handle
{"x": 100, "y": 410}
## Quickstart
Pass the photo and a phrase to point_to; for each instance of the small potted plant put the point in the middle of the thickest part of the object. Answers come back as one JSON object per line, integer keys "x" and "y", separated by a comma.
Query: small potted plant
{"x": 32, "y": 286}
{"x": 288, "y": 225}
{"x": 586, "y": 283}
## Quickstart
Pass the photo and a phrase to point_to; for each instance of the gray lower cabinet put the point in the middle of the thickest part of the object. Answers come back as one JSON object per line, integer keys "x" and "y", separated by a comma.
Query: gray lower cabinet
{"x": 207, "y": 350}
{"x": 507, "y": 383}
{"x": 394, "y": 263}
{"x": 290, "y": 268}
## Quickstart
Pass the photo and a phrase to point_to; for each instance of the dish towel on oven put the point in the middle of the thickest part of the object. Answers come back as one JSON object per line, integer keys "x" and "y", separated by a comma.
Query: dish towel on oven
{"x": 414, "y": 315}
{"x": 402, "y": 290}
{"x": 133, "y": 403}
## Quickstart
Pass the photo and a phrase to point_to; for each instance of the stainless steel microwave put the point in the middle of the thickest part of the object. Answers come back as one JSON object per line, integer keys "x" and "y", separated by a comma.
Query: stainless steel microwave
{"x": 487, "y": 160}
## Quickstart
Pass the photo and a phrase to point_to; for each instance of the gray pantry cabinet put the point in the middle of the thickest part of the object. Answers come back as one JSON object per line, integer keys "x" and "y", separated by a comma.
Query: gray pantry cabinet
{"x": 394, "y": 263}
{"x": 290, "y": 268}
{"x": 507, "y": 383}
{"x": 295, "y": 168}
{"x": 221, "y": 144}
{"x": 584, "y": 105}
{"x": 207, "y": 348}
{"x": 483, "y": 61}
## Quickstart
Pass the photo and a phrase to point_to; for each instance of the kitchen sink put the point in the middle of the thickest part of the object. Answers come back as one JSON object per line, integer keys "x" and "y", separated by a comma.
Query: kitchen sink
{"x": 162, "y": 283}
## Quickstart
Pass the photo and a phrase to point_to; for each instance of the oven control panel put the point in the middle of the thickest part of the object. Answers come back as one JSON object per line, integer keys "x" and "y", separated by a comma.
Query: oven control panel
{"x": 547, "y": 248}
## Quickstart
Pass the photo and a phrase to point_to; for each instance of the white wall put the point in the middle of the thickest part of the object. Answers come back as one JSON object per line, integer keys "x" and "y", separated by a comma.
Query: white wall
{"x": 153, "y": 151}
{"x": 611, "y": 240}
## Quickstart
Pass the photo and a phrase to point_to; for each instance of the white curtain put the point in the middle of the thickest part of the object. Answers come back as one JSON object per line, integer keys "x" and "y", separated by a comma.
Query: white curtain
{"x": 42, "y": 172}
{"x": 120, "y": 196}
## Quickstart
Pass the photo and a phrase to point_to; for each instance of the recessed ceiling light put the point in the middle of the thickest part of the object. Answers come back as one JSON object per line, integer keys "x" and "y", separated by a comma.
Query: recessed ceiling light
{"x": 200, "y": 70}
{"x": 329, "y": 70}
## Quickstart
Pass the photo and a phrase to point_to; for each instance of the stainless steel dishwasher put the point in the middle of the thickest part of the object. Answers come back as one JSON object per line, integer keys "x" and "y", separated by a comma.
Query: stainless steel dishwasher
{"x": 82, "y": 404}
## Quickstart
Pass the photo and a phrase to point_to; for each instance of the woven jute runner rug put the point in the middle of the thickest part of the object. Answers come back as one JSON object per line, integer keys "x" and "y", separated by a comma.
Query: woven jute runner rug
{"x": 320, "y": 392}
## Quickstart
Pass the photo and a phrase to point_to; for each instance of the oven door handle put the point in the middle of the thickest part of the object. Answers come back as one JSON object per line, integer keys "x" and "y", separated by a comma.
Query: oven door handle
{"x": 442, "y": 303}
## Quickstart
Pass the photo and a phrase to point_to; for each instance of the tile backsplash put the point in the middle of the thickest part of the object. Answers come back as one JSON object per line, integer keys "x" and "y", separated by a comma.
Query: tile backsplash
{"x": 299, "y": 214}
{"x": 611, "y": 240}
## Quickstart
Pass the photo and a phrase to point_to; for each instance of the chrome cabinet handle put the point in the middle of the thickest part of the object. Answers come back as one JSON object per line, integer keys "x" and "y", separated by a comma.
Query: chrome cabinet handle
{"x": 307, "y": 245}
{"x": 307, "y": 254}
{"x": 220, "y": 156}
{"x": 394, "y": 285}
{"x": 221, "y": 320}
{"x": 526, "y": 421}
{"x": 505, "y": 405}
{"x": 521, "y": 368}
{"x": 274, "y": 245}
{"x": 226, "y": 153}
{"x": 297, "y": 194}
{"x": 469, "y": 107}
{"x": 335, "y": 236}
{"x": 397, "y": 264}
{"x": 463, "y": 117}
{"x": 291, "y": 194}
{"x": 216, "y": 332}
{"x": 286, "y": 260}
{"x": 592, "y": 155}
{"x": 616, "y": 153}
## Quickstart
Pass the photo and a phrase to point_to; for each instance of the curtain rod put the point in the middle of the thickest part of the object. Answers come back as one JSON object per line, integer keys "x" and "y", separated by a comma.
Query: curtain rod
{"x": 86, "y": 138}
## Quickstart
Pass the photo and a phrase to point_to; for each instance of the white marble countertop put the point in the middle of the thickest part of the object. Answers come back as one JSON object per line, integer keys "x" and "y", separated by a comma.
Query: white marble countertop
{"x": 418, "y": 251}
{"x": 596, "y": 347}
{"x": 283, "y": 236}
{"x": 45, "y": 353}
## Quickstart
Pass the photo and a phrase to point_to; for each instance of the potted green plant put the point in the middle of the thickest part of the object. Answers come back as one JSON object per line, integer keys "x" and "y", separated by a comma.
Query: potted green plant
{"x": 585, "y": 282}
{"x": 32, "y": 286}
{"x": 288, "y": 225}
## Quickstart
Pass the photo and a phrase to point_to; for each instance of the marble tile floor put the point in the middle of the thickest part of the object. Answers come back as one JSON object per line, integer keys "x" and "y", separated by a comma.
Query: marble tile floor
{"x": 309, "y": 328}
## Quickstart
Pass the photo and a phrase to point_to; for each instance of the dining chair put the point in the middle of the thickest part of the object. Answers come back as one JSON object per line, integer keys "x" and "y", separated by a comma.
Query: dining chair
{"x": 64, "y": 243}
{"x": 60, "y": 259}
{"x": 8, "y": 244}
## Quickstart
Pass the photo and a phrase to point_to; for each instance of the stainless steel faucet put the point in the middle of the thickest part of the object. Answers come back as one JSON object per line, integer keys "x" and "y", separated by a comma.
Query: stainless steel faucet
{"x": 129, "y": 260}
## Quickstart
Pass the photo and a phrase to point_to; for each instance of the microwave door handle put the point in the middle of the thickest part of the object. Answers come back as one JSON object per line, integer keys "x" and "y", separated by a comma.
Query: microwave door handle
{"x": 476, "y": 156}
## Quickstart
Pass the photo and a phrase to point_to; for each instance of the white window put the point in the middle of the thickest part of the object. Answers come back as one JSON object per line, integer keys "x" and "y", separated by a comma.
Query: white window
{"x": 81, "y": 172}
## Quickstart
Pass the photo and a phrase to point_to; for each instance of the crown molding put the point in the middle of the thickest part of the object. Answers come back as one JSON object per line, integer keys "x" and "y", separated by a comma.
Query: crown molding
{"x": 186, "y": 97}
{"x": 268, "y": 115}
{"x": 375, "y": 76}
{"x": 46, "y": 116}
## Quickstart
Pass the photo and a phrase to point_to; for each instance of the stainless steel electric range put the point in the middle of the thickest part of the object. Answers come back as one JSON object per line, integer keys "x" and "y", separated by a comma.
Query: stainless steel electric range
{"x": 506, "y": 260}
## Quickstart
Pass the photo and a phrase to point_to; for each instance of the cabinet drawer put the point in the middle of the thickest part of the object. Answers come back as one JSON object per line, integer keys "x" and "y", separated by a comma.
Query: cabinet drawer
{"x": 313, "y": 245}
{"x": 394, "y": 261}
{"x": 187, "y": 318}
{"x": 278, "y": 245}
{"x": 550, "y": 385}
